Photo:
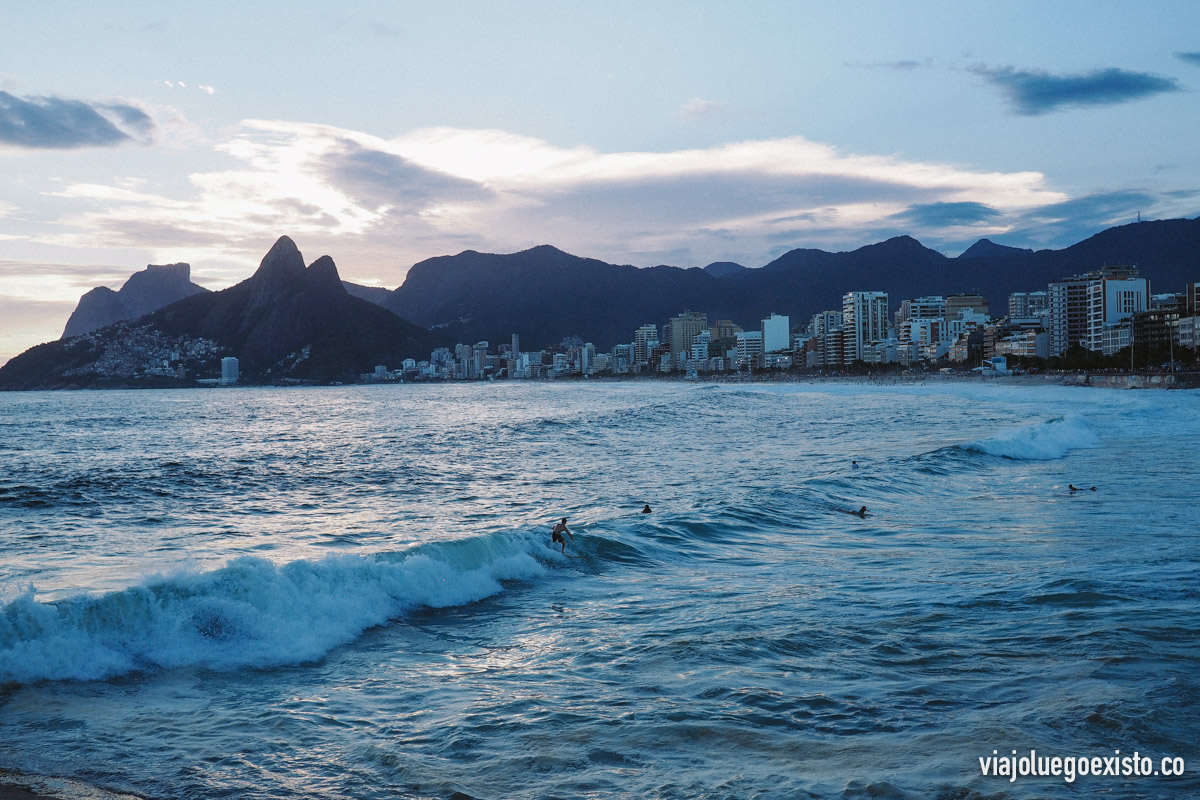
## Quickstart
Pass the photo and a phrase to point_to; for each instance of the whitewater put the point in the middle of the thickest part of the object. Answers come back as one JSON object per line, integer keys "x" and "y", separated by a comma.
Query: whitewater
{"x": 350, "y": 591}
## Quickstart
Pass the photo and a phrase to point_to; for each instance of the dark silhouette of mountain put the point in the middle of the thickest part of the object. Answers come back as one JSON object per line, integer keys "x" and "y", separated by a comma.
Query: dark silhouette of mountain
{"x": 724, "y": 269}
{"x": 284, "y": 322}
{"x": 372, "y": 294}
{"x": 544, "y": 295}
{"x": 288, "y": 321}
{"x": 986, "y": 247}
{"x": 156, "y": 286}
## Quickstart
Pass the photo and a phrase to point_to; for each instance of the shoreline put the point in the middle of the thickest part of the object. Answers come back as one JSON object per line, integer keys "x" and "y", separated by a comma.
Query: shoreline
{"x": 27, "y": 786}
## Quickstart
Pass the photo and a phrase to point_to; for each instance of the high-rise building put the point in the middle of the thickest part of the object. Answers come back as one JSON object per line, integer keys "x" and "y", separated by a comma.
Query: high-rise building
{"x": 749, "y": 348}
{"x": 933, "y": 307}
{"x": 587, "y": 358}
{"x": 699, "y": 354}
{"x": 776, "y": 333}
{"x": 1023, "y": 305}
{"x": 1111, "y": 300}
{"x": 645, "y": 339}
{"x": 1193, "y": 299}
{"x": 956, "y": 304}
{"x": 1069, "y": 306}
{"x": 229, "y": 371}
{"x": 684, "y": 329}
{"x": 826, "y": 329}
{"x": 724, "y": 329}
{"x": 864, "y": 321}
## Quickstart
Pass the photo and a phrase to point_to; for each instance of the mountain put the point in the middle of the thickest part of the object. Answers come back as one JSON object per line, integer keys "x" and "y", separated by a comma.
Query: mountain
{"x": 284, "y": 322}
{"x": 544, "y": 295}
{"x": 372, "y": 294}
{"x": 986, "y": 247}
{"x": 724, "y": 269}
{"x": 156, "y": 286}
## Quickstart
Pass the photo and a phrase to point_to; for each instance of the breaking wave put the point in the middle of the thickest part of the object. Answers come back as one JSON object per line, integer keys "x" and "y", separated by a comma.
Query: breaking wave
{"x": 251, "y": 612}
{"x": 1042, "y": 441}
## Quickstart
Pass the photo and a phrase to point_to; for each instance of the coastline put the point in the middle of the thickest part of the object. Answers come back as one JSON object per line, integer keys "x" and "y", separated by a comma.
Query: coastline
{"x": 24, "y": 786}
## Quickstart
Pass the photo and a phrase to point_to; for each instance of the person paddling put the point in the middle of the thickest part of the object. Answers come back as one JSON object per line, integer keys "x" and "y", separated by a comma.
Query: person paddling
{"x": 556, "y": 535}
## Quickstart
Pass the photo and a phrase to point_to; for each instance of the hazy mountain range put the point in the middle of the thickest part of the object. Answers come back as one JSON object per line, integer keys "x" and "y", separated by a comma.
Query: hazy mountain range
{"x": 296, "y": 322}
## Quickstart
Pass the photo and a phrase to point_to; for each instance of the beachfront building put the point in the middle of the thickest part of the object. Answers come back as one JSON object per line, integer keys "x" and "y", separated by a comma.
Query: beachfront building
{"x": 920, "y": 322}
{"x": 864, "y": 321}
{"x": 1110, "y": 300}
{"x": 749, "y": 348}
{"x": 684, "y": 329}
{"x": 826, "y": 331}
{"x": 645, "y": 339}
{"x": 229, "y": 371}
{"x": 958, "y": 304}
{"x": 1023, "y": 305}
{"x": 1076, "y": 310}
{"x": 776, "y": 334}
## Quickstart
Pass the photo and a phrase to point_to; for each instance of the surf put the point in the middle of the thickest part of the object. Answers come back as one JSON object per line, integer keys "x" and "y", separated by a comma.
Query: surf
{"x": 251, "y": 612}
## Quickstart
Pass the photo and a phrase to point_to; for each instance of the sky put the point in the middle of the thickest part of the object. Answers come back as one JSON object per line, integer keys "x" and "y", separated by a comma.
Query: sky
{"x": 683, "y": 133}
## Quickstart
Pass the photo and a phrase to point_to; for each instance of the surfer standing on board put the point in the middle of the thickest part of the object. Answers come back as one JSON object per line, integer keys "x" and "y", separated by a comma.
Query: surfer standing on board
{"x": 556, "y": 535}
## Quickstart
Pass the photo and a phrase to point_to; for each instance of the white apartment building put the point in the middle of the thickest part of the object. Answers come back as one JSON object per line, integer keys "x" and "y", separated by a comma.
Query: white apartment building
{"x": 864, "y": 321}
{"x": 776, "y": 333}
{"x": 1109, "y": 301}
{"x": 645, "y": 339}
{"x": 749, "y": 348}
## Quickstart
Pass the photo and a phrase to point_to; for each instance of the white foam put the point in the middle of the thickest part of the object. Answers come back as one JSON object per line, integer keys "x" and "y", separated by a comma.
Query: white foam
{"x": 251, "y": 612}
{"x": 1041, "y": 441}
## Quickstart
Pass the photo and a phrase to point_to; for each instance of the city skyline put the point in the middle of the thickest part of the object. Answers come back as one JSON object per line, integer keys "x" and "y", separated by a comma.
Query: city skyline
{"x": 668, "y": 135}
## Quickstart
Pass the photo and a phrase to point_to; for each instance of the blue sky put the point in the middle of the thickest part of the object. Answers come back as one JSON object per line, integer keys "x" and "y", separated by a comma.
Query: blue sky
{"x": 683, "y": 133}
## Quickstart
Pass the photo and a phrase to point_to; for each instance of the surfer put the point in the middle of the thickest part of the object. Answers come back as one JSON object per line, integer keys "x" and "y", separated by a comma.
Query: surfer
{"x": 556, "y": 535}
{"x": 1075, "y": 488}
{"x": 646, "y": 509}
{"x": 862, "y": 512}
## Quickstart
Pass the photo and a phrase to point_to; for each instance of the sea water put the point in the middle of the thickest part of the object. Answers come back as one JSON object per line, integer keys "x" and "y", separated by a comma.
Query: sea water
{"x": 350, "y": 591}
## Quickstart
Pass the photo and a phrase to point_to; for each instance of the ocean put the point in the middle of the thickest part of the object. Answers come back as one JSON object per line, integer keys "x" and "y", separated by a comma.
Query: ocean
{"x": 349, "y": 592}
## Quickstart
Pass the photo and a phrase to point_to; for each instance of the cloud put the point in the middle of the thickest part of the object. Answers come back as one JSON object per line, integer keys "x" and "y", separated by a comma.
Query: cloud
{"x": 202, "y": 87}
{"x": 1035, "y": 92}
{"x": 1191, "y": 58}
{"x": 698, "y": 109}
{"x": 55, "y": 123}
{"x": 903, "y": 65}
{"x": 389, "y": 182}
{"x": 947, "y": 214}
{"x": 393, "y": 202}
{"x": 1073, "y": 220}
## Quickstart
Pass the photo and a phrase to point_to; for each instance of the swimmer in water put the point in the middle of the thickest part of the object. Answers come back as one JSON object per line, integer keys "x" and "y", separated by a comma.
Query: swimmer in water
{"x": 646, "y": 509}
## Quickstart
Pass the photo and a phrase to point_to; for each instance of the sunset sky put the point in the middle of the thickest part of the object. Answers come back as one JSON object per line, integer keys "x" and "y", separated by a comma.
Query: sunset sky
{"x": 680, "y": 133}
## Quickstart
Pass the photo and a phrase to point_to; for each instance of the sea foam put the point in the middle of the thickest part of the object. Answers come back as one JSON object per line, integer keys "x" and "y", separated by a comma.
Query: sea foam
{"x": 1041, "y": 441}
{"x": 251, "y": 612}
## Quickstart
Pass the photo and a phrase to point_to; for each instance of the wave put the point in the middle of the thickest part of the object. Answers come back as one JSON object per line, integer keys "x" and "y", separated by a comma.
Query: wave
{"x": 1042, "y": 441}
{"x": 251, "y": 612}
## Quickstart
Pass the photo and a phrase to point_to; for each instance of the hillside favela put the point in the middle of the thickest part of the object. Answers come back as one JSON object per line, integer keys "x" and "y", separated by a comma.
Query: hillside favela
{"x": 278, "y": 326}
{"x": 429, "y": 400}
